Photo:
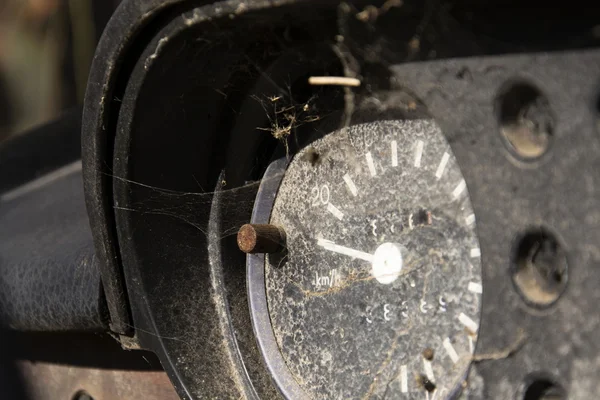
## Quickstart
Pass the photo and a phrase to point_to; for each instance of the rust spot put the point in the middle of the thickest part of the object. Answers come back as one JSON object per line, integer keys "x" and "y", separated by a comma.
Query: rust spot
{"x": 425, "y": 383}
{"x": 260, "y": 238}
{"x": 428, "y": 354}
{"x": 313, "y": 157}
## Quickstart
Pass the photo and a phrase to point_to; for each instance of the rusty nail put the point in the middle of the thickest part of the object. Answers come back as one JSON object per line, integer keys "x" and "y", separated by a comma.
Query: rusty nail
{"x": 261, "y": 238}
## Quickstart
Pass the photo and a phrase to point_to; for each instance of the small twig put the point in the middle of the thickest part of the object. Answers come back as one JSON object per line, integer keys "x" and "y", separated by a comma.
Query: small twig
{"x": 334, "y": 81}
{"x": 501, "y": 354}
{"x": 371, "y": 13}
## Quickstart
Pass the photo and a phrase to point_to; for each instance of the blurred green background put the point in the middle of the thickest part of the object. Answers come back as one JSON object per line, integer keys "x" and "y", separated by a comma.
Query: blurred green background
{"x": 46, "y": 48}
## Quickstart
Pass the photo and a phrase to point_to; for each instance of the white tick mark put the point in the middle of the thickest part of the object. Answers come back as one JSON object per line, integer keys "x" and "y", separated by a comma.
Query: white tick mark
{"x": 475, "y": 252}
{"x": 335, "y": 211}
{"x": 468, "y": 323}
{"x": 442, "y": 167}
{"x": 371, "y": 164}
{"x": 475, "y": 287}
{"x": 394, "y": 153}
{"x": 428, "y": 370}
{"x": 450, "y": 350}
{"x": 462, "y": 185}
{"x": 351, "y": 186}
{"x": 419, "y": 153}
{"x": 403, "y": 379}
{"x": 471, "y": 345}
{"x": 470, "y": 219}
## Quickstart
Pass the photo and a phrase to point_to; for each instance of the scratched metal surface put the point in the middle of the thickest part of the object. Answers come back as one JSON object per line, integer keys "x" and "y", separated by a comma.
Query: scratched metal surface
{"x": 344, "y": 330}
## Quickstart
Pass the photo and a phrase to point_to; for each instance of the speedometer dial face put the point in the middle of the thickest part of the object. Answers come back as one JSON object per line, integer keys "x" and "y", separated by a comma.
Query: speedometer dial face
{"x": 379, "y": 293}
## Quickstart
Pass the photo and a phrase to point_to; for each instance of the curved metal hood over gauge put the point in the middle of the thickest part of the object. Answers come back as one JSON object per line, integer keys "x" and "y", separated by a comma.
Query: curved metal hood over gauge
{"x": 440, "y": 213}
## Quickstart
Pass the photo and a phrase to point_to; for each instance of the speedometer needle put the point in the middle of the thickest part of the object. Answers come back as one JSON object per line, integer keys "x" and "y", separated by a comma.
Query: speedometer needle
{"x": 336, "y": 248}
